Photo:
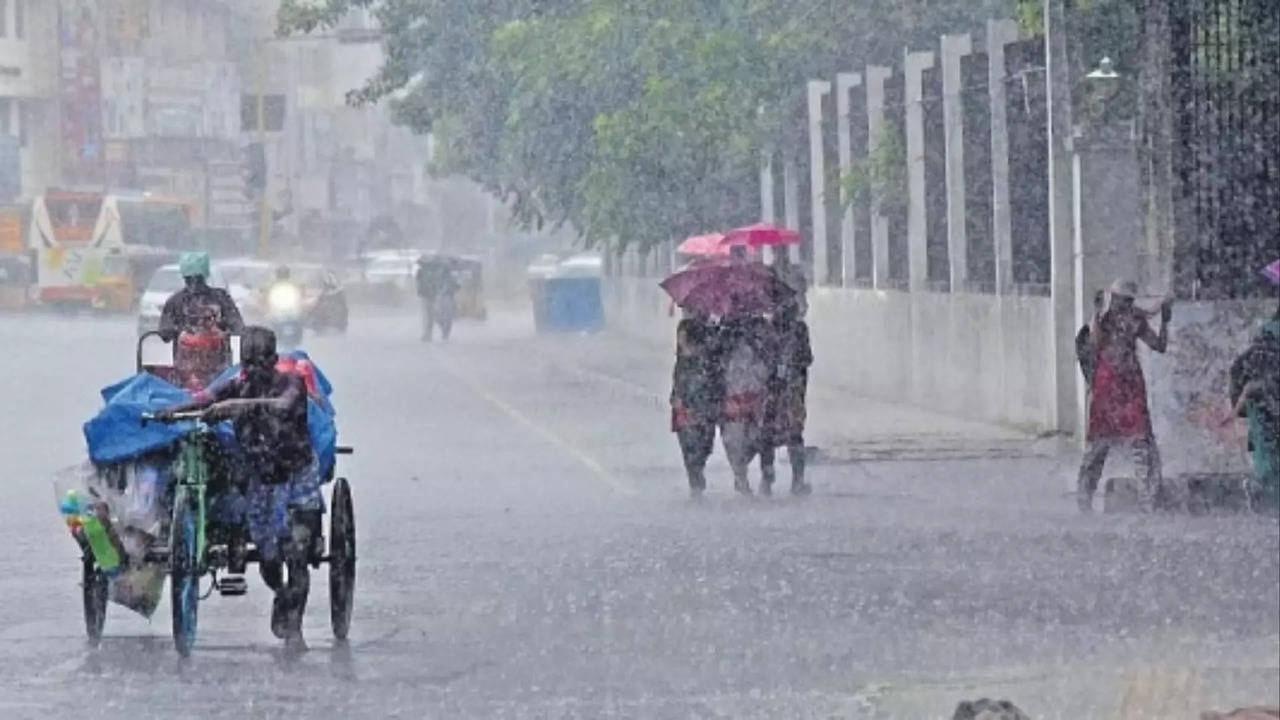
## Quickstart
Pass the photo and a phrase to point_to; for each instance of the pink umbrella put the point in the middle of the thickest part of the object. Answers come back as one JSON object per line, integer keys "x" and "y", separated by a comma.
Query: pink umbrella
{"x": 1272, "y": 272}
{"x": 760, "y": 235}
{"x": 709, "y": 244}
{"x": 726, "y": 289}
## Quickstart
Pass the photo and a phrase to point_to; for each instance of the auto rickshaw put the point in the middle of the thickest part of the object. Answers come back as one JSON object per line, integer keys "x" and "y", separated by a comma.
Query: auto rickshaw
{"x": 470, "y": 296}
{"x": 124, "y": 276}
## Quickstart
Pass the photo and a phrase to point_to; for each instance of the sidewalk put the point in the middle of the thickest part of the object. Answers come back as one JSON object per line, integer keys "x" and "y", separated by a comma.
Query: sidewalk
{"x": 842, "y": 426}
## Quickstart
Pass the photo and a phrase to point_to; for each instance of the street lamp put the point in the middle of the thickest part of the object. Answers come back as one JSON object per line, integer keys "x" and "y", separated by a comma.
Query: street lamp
{"x": 1106, "y": 98}
{"x": 1104, "y": 71}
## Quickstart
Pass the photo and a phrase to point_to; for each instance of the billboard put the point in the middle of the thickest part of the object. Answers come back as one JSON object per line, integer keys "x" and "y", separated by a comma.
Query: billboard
{"x": 79, "y": 91}
{"x": 221, "y": 101}
{"x": 175, "y": 100}
{"x": 124, "y": 98}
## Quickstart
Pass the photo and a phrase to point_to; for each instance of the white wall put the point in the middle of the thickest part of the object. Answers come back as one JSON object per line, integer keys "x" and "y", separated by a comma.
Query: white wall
{"x": 967, "y": 355}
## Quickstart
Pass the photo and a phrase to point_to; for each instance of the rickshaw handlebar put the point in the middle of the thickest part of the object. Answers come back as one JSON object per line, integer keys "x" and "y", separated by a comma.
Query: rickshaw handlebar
{"x": 172, "y": 417}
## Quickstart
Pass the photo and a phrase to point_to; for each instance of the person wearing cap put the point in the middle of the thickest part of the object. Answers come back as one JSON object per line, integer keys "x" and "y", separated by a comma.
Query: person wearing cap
{"x": 1118, "y": 411}
{"x": 198, "y": 305}
{"x": 199, "y": 320}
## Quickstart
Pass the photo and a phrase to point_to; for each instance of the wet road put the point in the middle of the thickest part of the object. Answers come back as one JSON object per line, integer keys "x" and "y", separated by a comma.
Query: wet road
{"x": 527, "y": 551}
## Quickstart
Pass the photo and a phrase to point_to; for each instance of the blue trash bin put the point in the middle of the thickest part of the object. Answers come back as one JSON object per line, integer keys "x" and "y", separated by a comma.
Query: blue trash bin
{"x": 566, "y": 295}
{"x": 573, "y": 304}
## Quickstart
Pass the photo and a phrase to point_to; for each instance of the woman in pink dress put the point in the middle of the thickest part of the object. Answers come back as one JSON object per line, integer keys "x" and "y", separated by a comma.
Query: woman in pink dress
{"x": 1118, "y": 411}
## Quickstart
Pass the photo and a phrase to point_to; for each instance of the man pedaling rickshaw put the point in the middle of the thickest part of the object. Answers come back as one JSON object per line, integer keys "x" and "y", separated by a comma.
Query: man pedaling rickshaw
{"x": 268, "y": 411}
{"x": 199, "y": 320}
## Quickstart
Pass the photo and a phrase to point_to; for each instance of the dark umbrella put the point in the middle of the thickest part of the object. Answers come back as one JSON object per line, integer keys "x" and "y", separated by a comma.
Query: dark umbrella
{"x": 727, "y": 289}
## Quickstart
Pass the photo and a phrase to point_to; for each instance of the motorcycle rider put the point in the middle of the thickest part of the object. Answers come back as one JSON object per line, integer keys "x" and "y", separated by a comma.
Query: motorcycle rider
{"x": 268, "y": 411}
{"x": 199, "y": 320}
{"x": 284, "y": 276}
{"x": 283, "y": 306}
{"x": 188, "y": 309}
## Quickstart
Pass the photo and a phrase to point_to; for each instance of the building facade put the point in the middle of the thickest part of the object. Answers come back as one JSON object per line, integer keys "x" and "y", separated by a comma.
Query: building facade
{"x": 29, "y": 143}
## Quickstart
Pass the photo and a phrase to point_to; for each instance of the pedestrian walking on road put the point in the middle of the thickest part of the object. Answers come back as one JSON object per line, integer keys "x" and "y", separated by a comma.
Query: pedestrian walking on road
{"x": 1118, "y": 410}
{"x": 437, "y": 287}
{"x": 748, "y": 346}
{"x": 697, "y": 392}
{"x": 785, "y": 406}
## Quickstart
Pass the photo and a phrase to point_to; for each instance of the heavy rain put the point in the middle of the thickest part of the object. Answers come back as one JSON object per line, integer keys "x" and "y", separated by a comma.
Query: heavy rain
{"x": 753, "y": 359}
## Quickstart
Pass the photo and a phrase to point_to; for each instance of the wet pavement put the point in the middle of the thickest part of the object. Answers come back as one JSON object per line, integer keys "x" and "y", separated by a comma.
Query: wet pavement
{"x": 527, "y": 550}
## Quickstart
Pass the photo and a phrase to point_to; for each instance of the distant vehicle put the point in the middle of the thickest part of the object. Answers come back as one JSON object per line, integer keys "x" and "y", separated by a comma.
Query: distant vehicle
{"x": 247, "y": 279}
{"x": 326, "y": 305}
{"x": 468, "y": 270}
{"x": 249, "y": 273}
{"x": 164, "y": 283}
{"x": 124, "y": 275}
{"x": 321, "y": 302}
{"x": 389, "y": 275}
{"x": 284, "y": 312}
{"x": 74, "y": 233}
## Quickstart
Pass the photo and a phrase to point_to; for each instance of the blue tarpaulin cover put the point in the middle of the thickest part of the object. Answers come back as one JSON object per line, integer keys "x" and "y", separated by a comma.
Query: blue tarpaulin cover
{"x": 116, "y": 433}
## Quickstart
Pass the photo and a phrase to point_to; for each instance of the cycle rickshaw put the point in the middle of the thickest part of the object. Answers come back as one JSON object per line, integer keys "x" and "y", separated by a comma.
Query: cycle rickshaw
{"x": 192, "y": 542}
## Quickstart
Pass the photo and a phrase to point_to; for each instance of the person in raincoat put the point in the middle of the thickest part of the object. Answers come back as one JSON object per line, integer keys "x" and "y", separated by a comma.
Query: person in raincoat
{"x": 697, "y": 391}
{"x": 1118, "y": 411}
{"x": 747, "y": 348}
{"x": 198, "y": 303}
{"x": 199, "y": 320}
{"x": 437, "y": 286}
{"x": 785, "y": 405}
{"x": 1255, "y": 394}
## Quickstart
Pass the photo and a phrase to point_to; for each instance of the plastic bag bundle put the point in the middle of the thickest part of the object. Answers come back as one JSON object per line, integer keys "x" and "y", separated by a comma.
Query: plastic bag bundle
{"x": 116, "y": 513}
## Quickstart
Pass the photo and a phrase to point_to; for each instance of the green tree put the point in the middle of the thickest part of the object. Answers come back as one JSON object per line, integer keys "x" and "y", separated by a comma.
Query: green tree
{"x": 639, "y": 121}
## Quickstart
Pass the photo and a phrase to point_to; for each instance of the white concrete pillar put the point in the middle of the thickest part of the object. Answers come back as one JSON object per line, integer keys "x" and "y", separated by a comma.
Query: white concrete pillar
{"x": 817, "y": 90}
{"x": 999, "y": 34}
{"x": 917, "y": 222}
{"x": 791, "y": 200}
{"x": 845, "y": 82}
{"x": 1082, "y": 311}
{"x": 1062, "y": 265}
{"x": 876, "y": 77}
{"x": 955, "y": 47}
{"x": 767, "y": 213}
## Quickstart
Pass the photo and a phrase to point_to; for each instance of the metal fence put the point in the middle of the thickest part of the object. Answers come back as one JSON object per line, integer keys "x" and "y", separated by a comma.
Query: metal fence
{"x": 1226, "y": 84}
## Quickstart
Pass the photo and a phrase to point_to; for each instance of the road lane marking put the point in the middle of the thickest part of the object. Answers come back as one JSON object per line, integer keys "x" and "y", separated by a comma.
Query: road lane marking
{"x": 598, "y": 470}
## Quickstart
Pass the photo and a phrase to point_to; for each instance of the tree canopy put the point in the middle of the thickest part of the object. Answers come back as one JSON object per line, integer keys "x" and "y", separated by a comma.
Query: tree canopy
{"x": 634, "y": 121}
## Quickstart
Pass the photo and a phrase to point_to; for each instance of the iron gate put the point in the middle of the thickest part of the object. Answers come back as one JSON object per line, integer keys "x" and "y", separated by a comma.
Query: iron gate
{"x": 1226, "y": 84}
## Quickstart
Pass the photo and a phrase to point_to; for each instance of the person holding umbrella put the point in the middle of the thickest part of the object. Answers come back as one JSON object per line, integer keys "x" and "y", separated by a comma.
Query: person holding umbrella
{"x": 785, "y": 406}
{"x": 748, "y": 350}
{"x": 740, "y": 294}
{"x": 1118, "y": 411}
{"x": 697, "y": 391}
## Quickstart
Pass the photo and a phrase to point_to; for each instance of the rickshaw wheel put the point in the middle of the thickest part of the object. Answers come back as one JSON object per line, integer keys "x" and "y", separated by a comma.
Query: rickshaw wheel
{"x": 184, "y": 577}
{"x": 94, "y": 589}
{"x": 342, "y": 558}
